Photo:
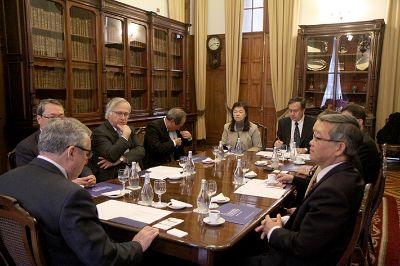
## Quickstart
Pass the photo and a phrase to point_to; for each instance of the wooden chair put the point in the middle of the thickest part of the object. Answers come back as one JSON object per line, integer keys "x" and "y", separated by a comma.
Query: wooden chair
{"x": 11, "y": 160}
{"x": 359, "y": 224}
{"x": 19, "y": 236}
{"x": 263, "y": 132}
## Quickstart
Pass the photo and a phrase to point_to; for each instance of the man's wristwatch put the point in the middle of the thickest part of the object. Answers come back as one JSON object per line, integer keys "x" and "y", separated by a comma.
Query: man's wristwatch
{"x": 123, "y": 159}
{"x": 305, "y": 150}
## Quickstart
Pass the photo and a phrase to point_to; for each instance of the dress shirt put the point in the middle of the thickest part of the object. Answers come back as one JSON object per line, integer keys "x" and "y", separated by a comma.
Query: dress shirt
{"x": 300, "y": 125}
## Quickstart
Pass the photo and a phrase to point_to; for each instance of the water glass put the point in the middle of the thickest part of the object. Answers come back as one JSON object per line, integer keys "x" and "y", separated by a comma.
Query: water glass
{"x": 211, "y": 190}
{"x": 283, "y": 150}
{"x": 123, "y": 176}
{"x": 160, "y": 187}
{"x": 182, "y": 161}
{"x": 215, "y": 151}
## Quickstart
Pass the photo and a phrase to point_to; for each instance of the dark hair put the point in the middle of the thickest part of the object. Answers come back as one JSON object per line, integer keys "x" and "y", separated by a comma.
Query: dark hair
{"x": 246, "y": 126}
{"x": 44, "y": 102}
{"x": 298, "y": 100}
{"x": 356, "y": 110}
{"x": 176, "y": 115}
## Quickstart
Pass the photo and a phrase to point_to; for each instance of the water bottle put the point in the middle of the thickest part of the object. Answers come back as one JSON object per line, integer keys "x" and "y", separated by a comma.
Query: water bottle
{"x": 133, "y": 177}
{"x": 238, "y": 148}
{"x": 147, "y": 194}
{"x": 238, "y": 174}
{"x": 203, "y": 201}
{"x": 293, "y": 151}
{"x": 221, "y": 153}
{"x": 189, "y": 167}
{"x": 275, "y": 159}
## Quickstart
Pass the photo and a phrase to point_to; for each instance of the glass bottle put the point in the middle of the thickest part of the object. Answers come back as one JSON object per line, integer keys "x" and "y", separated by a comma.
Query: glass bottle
{"x": 238, "y": 174}
{"x": 220, "y": 151}
{"x": 203, "y": 201}
{"x": 293, "y": 151}
{"x": 189, "y": 167}
{"x": 238, "y": 147}
{"x": 275, "y": 159}
{"x": 133, "y": 177}
{"x": 147, "y": 194}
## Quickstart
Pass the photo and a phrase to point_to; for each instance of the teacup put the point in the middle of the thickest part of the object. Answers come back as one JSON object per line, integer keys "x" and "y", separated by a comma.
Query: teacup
{"x": 299, "y": 160}
{"x": 214, "y": 215}
{"x": 271, "y": 178}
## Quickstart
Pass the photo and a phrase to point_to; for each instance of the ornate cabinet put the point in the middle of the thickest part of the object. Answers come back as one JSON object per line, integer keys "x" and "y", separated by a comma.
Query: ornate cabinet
{"x": 339, "y": 64}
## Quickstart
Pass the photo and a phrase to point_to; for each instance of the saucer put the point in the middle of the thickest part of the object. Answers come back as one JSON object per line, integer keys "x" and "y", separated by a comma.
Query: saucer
{"x": 213, "y": 205}
{"x": 222, "y": 200}
{"x": 208, "y": 160}
{"x": 261, "y": 163}
{"x": 114, "y": 194}
{"x": 133, "y": 188}
{"x": 299, "y": 163}
{"x": 219, "y": 222}
{"x": 175, "y": 177}
{"x": 250, "y": 174}
{"x": 174, "y": 207}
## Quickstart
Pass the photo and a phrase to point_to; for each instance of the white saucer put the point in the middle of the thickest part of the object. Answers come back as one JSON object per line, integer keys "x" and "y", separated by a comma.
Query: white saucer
{"x": 175, "y": 207}
{"x": 271, "y": 183}
{"x": 261, "y": 163}
{"x": 133, "y": 188}
{"x": 213, "y": 205}
{"x": 175, "y": 177}
{"x": 250, "y": 175}
{"x": 207, "y": 161}
{"x": 219, "y": 222}
{"x": 222, "y": 201}
{"x": 114, "y": 196}
{"x": 299, "y": 163}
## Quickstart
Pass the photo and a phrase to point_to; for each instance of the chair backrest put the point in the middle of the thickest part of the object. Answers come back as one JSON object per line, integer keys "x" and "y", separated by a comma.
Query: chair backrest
{"x": 139, "y": 132}
{"x": 359, "y": 224}
{"x": 11, "y": 160}
{"x": 19, "y": 236}
{"x": 263, "y": 132}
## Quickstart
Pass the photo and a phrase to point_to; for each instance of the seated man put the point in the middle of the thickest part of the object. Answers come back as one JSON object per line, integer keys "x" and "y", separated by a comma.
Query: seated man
{"x": 318, "y": 231}
{"x": 114, "y": 142}
{"x": 295, "y": 128}
{"x": 27, "y": 149}
{"x": 163, "y": 141}
{"x": 70, "y": 230}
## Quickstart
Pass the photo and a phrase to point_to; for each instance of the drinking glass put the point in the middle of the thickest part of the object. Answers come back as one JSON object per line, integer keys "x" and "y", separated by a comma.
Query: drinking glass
{"x": 182, "y": 161}
{"x": 211, "y": 190}
{"x": 215, "y": 151}
{"x": 123, "y": 176}
{"x": 160, "y": 187}
{"x": 283, "y": 150}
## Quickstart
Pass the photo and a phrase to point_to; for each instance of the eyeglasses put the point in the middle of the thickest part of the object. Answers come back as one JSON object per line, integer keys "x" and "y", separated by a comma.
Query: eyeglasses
{"x": 89, "y": 153}
{"x": 323, "y": 139}
{"x": 121, "y": 114}
{"x": 53, "y": 116}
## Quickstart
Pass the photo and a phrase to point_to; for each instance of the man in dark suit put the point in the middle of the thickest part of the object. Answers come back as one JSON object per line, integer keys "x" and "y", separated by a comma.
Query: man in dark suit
{"x": 295, "y": 128}
{"x": 27, "y": 149}
{"x": 318, "y": 231}
{"x": 368, "y": 154}
{"x": 70, "y": 230}
{"x": 163, "y": 141}
{"x": 114, "y": 142}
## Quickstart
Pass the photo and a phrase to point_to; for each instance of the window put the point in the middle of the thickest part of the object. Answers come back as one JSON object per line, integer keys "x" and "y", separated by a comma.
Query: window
{"x": 253, "y": 15}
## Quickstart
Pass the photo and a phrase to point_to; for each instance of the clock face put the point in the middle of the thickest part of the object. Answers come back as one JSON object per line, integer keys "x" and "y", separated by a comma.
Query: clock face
{"x": 214, "y": 43}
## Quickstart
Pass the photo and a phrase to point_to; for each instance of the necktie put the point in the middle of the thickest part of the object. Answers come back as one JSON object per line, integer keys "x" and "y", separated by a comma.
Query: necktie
{"x": 296, "y": 136}
{"x": 313, "y": 181}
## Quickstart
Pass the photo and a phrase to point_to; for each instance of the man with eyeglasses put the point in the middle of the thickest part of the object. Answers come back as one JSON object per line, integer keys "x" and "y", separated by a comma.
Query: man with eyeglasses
{"x": 297, "y": 127}
{"x": 114, "y": 142}
{"x": 71, "y": 232}
{"x": 164, "y": 141}
{"x": 27, "y": 149}
{"x": 318, "y": 231}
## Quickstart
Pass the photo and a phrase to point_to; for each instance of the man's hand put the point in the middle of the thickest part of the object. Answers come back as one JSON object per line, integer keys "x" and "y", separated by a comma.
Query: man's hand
{"x": 186, "y": 134}
{"x": 178, "y": 141}
{"x": 278, "y": 143}
{"x": 301, "y": 150}
{"x": 267, "y": 224}
{"x": 86, "y": 181}
{"x": 284, "y": 178}
{"x": 104, "y": 164}
{"x": 126, "y": 130}
{"x": 146, "y": 236}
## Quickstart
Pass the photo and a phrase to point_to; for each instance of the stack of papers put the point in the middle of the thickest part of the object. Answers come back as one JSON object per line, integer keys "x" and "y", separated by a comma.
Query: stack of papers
{"x": 258, "y": 188}
{"x": 163, "y": 172}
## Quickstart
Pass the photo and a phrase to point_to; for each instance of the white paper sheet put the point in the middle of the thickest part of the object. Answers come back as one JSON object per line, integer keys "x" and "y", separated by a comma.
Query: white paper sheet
{"x": 258, "y": 187}
{"x": 265, "y": 154}
{"x": 163, "y": 172}
{"x": 112, "y": 208}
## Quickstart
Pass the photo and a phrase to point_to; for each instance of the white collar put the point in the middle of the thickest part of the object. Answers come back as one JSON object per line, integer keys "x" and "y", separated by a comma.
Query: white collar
{"x": 55, "y": 164}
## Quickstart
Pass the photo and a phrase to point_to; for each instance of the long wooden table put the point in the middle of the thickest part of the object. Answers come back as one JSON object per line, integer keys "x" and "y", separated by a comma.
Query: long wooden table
{"x": 204, "y": 243}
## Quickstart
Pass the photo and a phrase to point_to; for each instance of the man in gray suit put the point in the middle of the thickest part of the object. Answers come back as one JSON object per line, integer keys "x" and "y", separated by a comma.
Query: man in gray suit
{"x": 70, "y": 230}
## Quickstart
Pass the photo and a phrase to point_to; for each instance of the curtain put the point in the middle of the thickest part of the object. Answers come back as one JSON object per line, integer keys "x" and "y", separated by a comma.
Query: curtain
{"x": 200, "y": 59}
{"x": 283, "y": 24}
{"x": 233, "y": 43}
{"x": 389, "y": 80}
{"x": 176, "y": 10}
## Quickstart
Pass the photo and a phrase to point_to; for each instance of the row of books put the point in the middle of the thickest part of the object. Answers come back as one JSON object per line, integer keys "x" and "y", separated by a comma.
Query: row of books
{"x": 115, "y": 81}
{"x": 160, "y": 41}
{"x": 176, "y": 84}
{"x": 137, "y": 82}
{"x": 137, "y": 44}
{"x": 137, "y": 103}
{"x": 83, "y": 79}
{"x": 47, "y": 20}
{"x": 159, "y": 102}
{"x": 82, "y": 26}
{"x": 84, "y": 105}
{"x": 114, "y": 56}
{"x": 47, "y": 46}
{"x": 49, "y": 78}
{"x": 159, "y": 61}
{"x": 113, "y": 34}
{"x": 160, "y": 83}
{"x": 137, "y": 58}
{"x": 83, "y": 51}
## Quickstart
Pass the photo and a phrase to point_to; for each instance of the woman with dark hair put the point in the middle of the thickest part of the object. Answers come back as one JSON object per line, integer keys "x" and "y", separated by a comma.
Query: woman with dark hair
{"x": 241, "y": 127}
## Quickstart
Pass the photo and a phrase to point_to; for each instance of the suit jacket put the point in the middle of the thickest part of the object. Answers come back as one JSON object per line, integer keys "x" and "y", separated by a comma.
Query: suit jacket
{"x": 27, "y": 150}
{"x": 318, "y": 231}
{"x": 108, "y": 144}
{"x": 285, "y": 126}
{"x": 248, "y": 139}
{"x": 70, "y": 230}
{"x": 369, "y": 159}
{"x": 159, "y": 146}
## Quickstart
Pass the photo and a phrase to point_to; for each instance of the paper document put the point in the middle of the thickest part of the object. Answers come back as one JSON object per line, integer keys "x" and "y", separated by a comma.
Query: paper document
{"x": 265, "y": 153}
{"x": 258, "y": 188}
{"x": 113, "y": 208}
{"x": 163, "y": 172}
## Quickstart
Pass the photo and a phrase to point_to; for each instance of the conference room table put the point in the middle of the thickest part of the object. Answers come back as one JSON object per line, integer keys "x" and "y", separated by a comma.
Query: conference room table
{"x": 204, "y": 244}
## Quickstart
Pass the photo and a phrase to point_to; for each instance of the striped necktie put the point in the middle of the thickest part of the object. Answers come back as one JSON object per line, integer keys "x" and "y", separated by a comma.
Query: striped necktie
{"x": 296, "y": 136}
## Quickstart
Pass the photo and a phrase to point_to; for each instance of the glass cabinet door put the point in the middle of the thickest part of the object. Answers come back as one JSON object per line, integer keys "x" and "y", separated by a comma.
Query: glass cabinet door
{"x": 114, "y": 57}
{"x": 160, "y": 64}
{"x": 177, "y": 78}
{"x": 84, "y": 60}
{"x": 138, "y": 66}
{"x": 48, "y": 43}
